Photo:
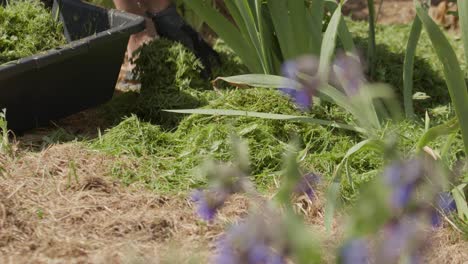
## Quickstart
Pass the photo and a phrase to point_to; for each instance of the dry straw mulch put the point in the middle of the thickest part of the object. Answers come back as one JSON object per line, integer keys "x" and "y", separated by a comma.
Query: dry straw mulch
{"x": 60, "y": 205}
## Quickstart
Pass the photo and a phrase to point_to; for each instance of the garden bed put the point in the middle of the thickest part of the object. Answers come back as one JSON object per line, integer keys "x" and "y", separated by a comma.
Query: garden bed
{"x": 132, "y": 197}
{"x": 112, "y": 183}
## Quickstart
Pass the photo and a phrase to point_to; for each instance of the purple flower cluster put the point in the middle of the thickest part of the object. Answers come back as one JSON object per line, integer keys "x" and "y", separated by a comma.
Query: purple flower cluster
{"x": 307, "y": 185}
{"x": 445, "y": 204}
{"x": 209, "y": 202}
{"x": 225, "y": 180}
{"x": 302, "y": 71}
{"x": 355, "y": 251}
{"x": 403, "y": 237}
{"x": 402, "y": 178}
{"x": 415, "y": 201}
{"x": 346, "y": 73}
{"x": 250, "y": 242}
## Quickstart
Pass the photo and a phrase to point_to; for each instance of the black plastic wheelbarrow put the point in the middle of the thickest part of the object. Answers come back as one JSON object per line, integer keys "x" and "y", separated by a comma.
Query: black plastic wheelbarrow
{"x": 71, "y": 78}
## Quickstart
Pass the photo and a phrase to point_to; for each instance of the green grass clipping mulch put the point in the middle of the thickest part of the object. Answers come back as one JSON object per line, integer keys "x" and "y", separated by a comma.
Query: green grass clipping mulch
{"x": 164, "y": 150}
{"x": 27, "y": 28}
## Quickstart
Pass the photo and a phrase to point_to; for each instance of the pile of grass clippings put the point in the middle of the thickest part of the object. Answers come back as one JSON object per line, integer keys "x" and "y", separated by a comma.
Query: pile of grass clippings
{"x": 170, "y": 79}
{"x": 166, "y": 159}
{"x": 27, "y": 28}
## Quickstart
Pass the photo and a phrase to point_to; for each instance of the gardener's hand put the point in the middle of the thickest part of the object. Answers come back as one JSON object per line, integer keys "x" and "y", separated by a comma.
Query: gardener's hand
{"x": 169, "y": 24}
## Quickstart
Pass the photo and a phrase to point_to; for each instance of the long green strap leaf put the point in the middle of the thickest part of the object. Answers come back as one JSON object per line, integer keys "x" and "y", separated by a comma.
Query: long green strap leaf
{"x": 270, "y": 41}
{"x": 248, "y": 15}
{"x": 454, "y": 76}
{"x": 371, "y": 52}
{"x": 463, "y": 14}
{"x": 292, "y": 118}
{"x": 317, "y": 10}
{"x": 265, "y": 35}
{"x": 226, "y": 31}
{"x": 306, "y": 35}
{"x": 283, "y": 27}
{"x": 258, "y": 80}
{"x": 460, "y": 200}
{"x": 236, "y": 15}
{"x": 329, "y": 44}
{"x": 345, "y": 36}
{"x": 325, "y": 92}
{"x": 408, "y": 67}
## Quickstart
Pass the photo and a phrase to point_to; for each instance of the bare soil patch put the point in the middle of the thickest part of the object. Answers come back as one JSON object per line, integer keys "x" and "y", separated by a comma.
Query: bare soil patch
{"x": 387, "y": 11}
{"x": 402, "y": 12}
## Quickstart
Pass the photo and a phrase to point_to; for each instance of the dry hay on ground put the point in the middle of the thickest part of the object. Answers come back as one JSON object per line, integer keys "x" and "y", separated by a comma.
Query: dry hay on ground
{"x": 60, "y": 206}
{"x": 448, "y": 246}
{"x": 49, "y": 215}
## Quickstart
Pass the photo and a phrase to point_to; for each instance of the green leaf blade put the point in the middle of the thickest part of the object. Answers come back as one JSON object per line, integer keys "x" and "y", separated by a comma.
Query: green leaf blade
{"x": 408, "y": 67}
{"x": 292, "y": 118}
{"x": 454, "y": 76}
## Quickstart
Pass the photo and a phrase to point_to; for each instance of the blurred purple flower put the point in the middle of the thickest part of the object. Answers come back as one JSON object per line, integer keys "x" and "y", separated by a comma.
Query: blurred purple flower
{"x": 354, "y": 252}
{"x": 348, "y": 72}
{"x": 307, "y": 184}
{"x": 445, "y": 205}
{"x": 290, "y": 69}
{"x": 208, "y": 203}
{"x": 226, "y": 253}
{"x": 301, "y": 71}
{"x": 262, "y": 254}
{"x": 401, "y": 195}
{"x": 301, "y": 97}
{"x": 401, "y": 239}
{"x": 246, "y": 244}
{"x": 402, "y": 178}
